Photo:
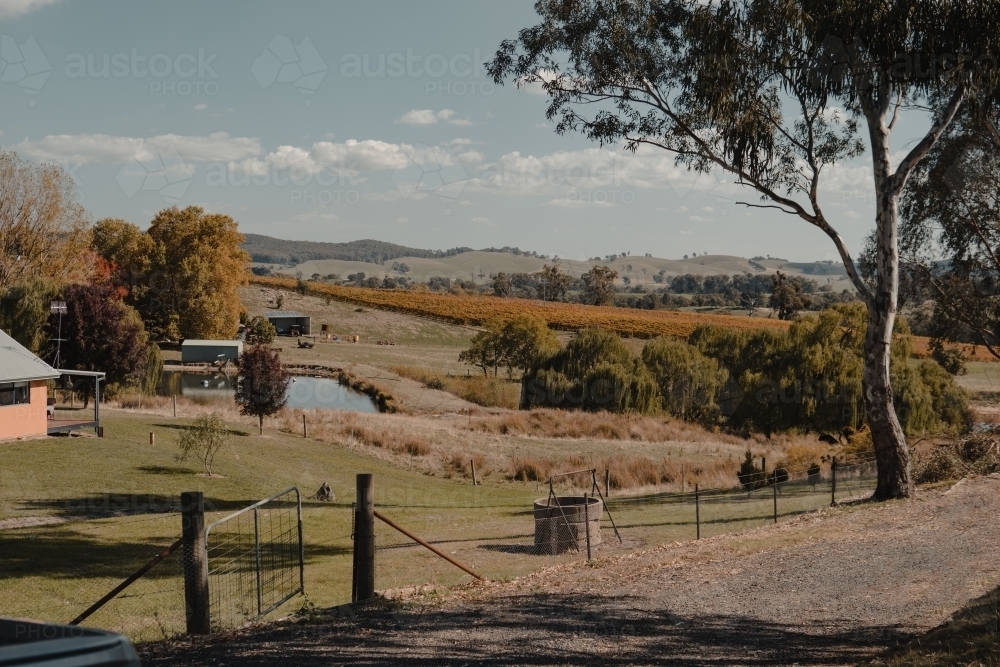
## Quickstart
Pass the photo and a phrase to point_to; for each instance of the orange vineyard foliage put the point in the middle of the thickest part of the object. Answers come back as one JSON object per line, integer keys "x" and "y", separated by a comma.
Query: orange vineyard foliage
{"x": 475, "y": 310}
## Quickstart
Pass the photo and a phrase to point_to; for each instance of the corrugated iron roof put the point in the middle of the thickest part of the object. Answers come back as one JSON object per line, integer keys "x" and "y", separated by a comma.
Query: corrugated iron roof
{"x": 18, "y": 364}
{"x": 199, "y": 343}
{"x": 284, "y": 313}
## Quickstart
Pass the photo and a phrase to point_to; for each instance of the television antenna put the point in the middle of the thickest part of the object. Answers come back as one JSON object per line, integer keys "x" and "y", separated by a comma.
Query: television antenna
{"x": 58, "y": 308}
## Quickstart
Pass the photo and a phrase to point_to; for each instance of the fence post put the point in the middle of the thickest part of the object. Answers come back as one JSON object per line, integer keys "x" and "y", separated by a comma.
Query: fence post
{"x": 697, "y": 513}
{"x": 174, "y": 396}
{"x": 304, "y": 427}
{"x": 364, "y": 539}
{"x": 152, "y": 439}
{"x": 473, "y": 463}
{"x": 586, "y": 521}
{"x": 774, "y": 489}
{"x": 195, "y": 563}
{"x": 607, "y": 482}
{"x": 833, "y": 485}
{"x": 256, "y": 552}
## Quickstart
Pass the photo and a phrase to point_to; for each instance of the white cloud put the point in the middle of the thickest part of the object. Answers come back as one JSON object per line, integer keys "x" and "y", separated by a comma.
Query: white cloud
{"x": 425, "y": 116}
{"x": 682, "y": 209}
{"x": 708, "y": 209}
{"x": 698, "y": 218}
{"x": 11, "y": 9}
{"x": 685, "y": 232}
{"x": 480, "y": 220}
{"x": 567, "y": 202}
{"x": 200, "y": 107}
{"x": 402, "y": 221}
{"x": 853, "y": 214}
{"x": 106, "y": 149}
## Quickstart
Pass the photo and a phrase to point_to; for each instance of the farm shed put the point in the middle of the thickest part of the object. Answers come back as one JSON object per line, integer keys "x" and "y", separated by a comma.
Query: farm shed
{"x": 284, "y": 321}
{"x": 210, "y": 351}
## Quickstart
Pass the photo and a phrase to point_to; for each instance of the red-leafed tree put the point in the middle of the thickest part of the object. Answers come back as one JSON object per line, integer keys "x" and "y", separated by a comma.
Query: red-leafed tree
{"x": 260, "y": 388}
{"x": 101, "y": 333}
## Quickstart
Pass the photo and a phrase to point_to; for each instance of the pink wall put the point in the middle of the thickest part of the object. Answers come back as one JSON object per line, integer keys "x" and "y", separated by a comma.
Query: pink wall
{"x": 20, "y": 420}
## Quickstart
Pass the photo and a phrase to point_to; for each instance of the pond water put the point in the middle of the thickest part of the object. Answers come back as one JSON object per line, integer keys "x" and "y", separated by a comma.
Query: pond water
{"x": 303, "y": 391}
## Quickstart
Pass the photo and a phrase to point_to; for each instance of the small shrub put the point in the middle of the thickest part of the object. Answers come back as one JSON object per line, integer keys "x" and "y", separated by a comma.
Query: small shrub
{"x": 813, "y": 473}
{"x": 435, "y": 383}
{"x": 530, "y": 470}
{"x": 413, "y": 447}
{"x": 938, "y": 465}
{"x": 205, "y": 439}
{"x": 750, "y": 475}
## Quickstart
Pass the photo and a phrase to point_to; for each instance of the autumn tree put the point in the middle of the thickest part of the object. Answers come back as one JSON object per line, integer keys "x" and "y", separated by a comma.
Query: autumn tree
{"x": 24, "y": 312}
{"x": 101, "y": 333}
{"x": 261, "y": 383}
{"x": 260, "y": 330}
{"x": 599, "y": 285}
{"x": 182, "y": 274}
{"x": 44, "y": 231}
{"x": 773, "y": 93}
{"x": 524, "y": 341}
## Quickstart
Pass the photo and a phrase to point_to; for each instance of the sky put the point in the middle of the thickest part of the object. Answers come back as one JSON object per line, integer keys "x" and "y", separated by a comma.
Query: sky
{"x": 337, "y": 121}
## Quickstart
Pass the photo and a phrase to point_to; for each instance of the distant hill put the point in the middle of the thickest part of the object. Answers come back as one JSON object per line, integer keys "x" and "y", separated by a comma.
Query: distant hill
{"x": 269, "y": 250}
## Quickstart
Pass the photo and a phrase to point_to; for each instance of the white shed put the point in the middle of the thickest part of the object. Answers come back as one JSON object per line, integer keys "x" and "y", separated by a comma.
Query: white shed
{"x": 210, "y": 351}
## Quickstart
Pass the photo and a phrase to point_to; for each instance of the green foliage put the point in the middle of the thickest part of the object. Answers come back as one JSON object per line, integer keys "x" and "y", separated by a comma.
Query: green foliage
{"x": 689, "y": 382}
{"x": 750, "y": 475}
{"x": 951, "y": 358}
{"x": 599, "y": 285}
{"x": 24, "y": 312}
{"x": 516, "y": 344}
{"x": 153, "y": 371}
{"x": 787, "y": 297}
{"x": 555, "y": 282}
{"x": 259, "y": 330}
{"x": 205, "y": 438}
{"x": 595, "y": 371}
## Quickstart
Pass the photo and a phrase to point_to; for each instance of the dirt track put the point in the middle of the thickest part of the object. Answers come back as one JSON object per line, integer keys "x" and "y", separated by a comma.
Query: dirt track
{"x": 826, "y": 589}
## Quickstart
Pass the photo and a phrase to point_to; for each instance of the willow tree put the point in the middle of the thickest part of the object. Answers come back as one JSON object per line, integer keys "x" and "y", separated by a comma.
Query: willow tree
{"x": 772, "y": 92}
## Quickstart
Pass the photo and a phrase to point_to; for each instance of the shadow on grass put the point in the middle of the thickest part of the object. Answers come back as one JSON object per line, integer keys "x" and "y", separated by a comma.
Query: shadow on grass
{"x": 63, "y": 554}
{"x": 971, "y": 637}
{"x": 540, "y": 629}
{"x": 189, "y": 427}
{"x": 113, "y": 505}
{"x": 166, "y": 470}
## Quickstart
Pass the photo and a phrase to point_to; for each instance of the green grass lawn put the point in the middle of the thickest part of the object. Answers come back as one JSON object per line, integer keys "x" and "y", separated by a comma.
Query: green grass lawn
{"x": 119, "y": 496}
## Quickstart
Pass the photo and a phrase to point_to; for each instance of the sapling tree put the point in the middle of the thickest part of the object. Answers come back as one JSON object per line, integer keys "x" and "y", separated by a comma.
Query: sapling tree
{"x": 772, "y": 93}
{"x": 204, "y": 439}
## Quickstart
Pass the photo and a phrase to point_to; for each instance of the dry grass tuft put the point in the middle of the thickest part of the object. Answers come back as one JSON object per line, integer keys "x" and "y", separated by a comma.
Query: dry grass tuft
{"x": 485, "y": 391}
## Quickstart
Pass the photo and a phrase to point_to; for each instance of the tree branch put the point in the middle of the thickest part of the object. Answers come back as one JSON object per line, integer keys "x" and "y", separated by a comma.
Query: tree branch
{"x": 924, "y": 146}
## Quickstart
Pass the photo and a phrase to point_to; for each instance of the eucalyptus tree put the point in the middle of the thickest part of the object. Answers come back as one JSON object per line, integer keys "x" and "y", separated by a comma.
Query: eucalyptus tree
{"x": 773, "y": 92}
{"x": 950, "y": 232}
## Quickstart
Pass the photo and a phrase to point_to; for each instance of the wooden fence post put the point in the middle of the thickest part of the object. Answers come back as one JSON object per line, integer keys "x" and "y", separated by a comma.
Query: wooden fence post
{"x": 697, "y": 514}
{"x": 774, "y": 491}
{"x": 364, "y": 539}
{"x": 833, "y": 484}
{"x": 472, "y": 462}
{"x": 152, "y": 439}
{"x": 607, "y": 482}
{"x": 195, "y": 563}
{"x": 304, "y": 427}
{"x": 174, "y": 397}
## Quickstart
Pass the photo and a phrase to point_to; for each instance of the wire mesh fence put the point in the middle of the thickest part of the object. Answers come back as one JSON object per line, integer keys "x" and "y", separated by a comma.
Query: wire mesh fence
{"x": 503, "y": 541}
{"x": 255, "y": 559}
{"x": 54, "y": 572}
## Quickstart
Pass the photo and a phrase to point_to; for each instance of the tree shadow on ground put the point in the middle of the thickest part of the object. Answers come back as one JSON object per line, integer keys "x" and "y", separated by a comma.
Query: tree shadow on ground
{"x": 970, "y": 637}
{"x": 541, "y": 629}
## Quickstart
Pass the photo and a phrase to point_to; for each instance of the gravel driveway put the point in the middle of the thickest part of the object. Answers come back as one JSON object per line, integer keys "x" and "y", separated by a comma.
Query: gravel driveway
{"x": 830, "y": 588}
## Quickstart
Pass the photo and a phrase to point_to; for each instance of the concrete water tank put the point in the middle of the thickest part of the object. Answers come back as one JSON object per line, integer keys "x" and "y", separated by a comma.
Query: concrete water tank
{"x": 563, "y": 526}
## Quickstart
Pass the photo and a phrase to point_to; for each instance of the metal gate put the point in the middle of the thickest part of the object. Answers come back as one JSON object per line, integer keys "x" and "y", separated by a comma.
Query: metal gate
{"x": 255, "y": 559}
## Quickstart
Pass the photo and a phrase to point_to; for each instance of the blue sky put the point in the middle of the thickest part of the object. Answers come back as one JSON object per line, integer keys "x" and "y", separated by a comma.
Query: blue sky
{"x": 336, "y": 121}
